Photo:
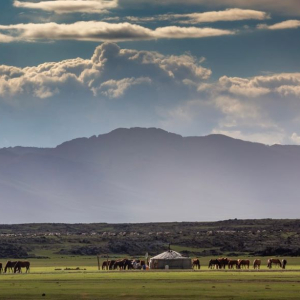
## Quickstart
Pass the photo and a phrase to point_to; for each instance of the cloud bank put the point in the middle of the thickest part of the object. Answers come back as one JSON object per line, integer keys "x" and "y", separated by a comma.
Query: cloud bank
{"x": 234, "y": 14}
{"x": 102, "y": 31}
{"x": 289, "y": 24}
{"x": 70, "y": 6}
{"x": 97, "y": 76}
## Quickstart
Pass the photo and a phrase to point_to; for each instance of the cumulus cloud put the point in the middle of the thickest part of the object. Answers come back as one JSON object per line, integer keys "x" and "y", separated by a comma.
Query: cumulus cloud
{"x": 102, "y": 31}
{"x": 116, "y": 88}
{"x": 234, "y": 14}
{"x": 70, "y": 6}
{"x": 290, "y": 24}
{"x": 98, "y": 75}
{"x": 283, "y": 84}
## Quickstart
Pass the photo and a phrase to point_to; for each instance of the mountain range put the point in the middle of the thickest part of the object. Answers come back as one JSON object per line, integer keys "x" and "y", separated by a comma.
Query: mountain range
{"x": 149, "y": 175}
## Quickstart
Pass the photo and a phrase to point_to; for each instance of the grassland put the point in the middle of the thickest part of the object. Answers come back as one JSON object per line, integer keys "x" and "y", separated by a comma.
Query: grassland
{"x": 92, "y": 284}
{"x": 51, "y": 248}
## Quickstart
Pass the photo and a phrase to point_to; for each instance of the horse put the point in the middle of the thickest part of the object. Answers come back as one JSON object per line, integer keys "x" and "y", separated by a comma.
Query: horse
{"x": 9, "y": 266}
{"x": 256, "y": 264}
{"x": 284, "y": 262}
{"x": 274, "y": 261}
{"x": 214, "y": 263}
{"x": 223, "y": 262}
{"x": 120, "y": 264}
{"x": 232, "y": 263}
{"x": 105, "y": 264}
{"x": 128, "y": 264}
{"x": 243, "y": 263}
{"x": 196, "y": 263}
{"x": 22, "y": 264}
{"x": 111, "y": 265}
{"x": 1, "y": 268}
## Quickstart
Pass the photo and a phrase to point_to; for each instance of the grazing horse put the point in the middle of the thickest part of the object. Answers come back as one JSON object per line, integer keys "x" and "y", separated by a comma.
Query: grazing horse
{"x": 223, "y": 262}
{"x": 196, "y": 263}
{"x": 9, "y": 266}
{"x": 245, "y": 263}
{"x": 112, "y": 265}
{"x": 256, "y": 264}
{"x": 232, "y": 263}
{"x": 274, "y": 261}
{"x": 105, "y": 265}
{"x": 120, "y": 264}
{"x": 1, "y": 268}
{"x": 284, "y": 262}
{"x": 22, "y": 264}
{"x": 214, "y": 263}
{"x": 128, "y": 264}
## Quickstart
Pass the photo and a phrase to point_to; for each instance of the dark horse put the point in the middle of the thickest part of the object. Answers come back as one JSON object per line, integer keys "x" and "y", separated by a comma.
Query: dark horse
{"x": 284, "y": 262}
{"x": 22, "y": 264}
{"x": 1, "y": 268}
{"x": 9, "y": 266}
{"x": 214, "y": 263}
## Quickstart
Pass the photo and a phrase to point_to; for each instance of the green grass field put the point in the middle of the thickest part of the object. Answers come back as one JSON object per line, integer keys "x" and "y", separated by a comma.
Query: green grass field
{"x": 93, "y": 284}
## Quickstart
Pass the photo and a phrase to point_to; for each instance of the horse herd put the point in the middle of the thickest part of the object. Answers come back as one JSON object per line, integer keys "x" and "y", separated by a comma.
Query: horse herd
{"x": 123, "y": 264}
{"x": 221, "y": 263}
{"x": 15, "y": 266}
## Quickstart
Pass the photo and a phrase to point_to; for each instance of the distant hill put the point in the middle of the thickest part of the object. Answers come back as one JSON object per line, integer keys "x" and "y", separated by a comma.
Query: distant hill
{"x": 142, "y": 175}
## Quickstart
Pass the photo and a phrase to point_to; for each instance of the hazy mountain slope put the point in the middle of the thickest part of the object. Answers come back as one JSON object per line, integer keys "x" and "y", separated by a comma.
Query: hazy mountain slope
{"x": 134, "y": 175}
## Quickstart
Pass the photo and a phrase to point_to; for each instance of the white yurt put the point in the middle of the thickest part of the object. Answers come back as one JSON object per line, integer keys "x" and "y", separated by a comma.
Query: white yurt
{"x": 170, "y": 260}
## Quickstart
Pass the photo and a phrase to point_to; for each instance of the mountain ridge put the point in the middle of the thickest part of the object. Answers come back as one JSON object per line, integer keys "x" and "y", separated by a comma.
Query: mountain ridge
{"x": 131, "y": 175}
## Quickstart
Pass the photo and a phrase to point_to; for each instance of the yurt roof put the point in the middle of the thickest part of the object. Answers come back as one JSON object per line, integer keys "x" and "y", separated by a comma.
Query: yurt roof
{"x": 169, "y": 255}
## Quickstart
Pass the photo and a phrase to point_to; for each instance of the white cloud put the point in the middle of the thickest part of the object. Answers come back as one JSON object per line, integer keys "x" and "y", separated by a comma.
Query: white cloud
{"x": 117, "y": 88}
{"x": 234, "y": 14}
{"x": 287, "y": 90}
{"x": 6, "y": 38}
{"x": 289, "y": 7}
{"x": 295, "y": 138}
{"x": 284, "y": 84}
{"x": 70, "y": 6}
{"x": 102, "y": 31}
{"x": 289, "y": 24}
{"x": 98, "y": 75}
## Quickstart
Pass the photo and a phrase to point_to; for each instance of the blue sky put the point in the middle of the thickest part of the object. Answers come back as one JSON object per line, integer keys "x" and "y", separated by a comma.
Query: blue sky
{"x": 71, "y": 68}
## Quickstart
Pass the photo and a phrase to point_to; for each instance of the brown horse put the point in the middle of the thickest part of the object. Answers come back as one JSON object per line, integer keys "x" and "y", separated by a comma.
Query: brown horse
{"x": 223, "y": 262}
{"x": 256, "y": 264}
{"x": 214, "y": 263}
{"x": 1, "y": 268}
{"x": 243, "y": 263}
{"x": 22, "y": 264}
{"x": 274, "y": 261}
{"x": 232, "y": 263}
{"x": 105, "y": 264}
{"x": 196, "y": 263}
{"x": 120, "y": 264}
{"x": 10, "y": 266}
{"x": 284, "y": 262}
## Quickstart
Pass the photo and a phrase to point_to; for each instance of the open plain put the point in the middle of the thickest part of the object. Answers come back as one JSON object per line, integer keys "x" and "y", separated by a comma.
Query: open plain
{"x": 47, "y": 277}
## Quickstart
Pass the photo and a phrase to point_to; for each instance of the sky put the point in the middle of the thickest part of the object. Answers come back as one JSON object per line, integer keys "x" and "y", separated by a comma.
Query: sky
{"x": 74, "y": 68}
